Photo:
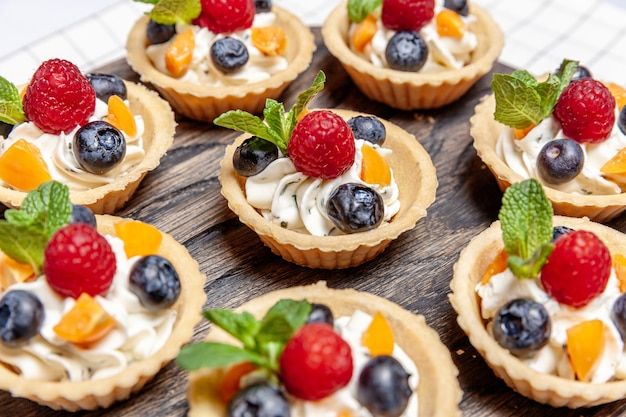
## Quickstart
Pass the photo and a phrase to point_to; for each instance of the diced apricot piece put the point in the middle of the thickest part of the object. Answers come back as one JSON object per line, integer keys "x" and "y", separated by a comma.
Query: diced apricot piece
{"x": 495, "y": 267}
{"x": 378, "y": 337}
{"x": 12, "y": 272}
{"x": 85, "y": 323}
{"x": 619, "y": 93}
{"x": 23, "y": 167}
{"x": 120, "y": 116}
{"x": 270, "y": 40}
{"x": 449, "y": 23}
{"x": 617, "y": 164}
{"x": 521, "y": 133}
{"x": 345, "y": 413}
{"x": 231, "y": 384}
{"x": 364, "y": 32}
{"x": 619, "y": 264}
{"x": 140, "y": 239}
{"x": 585, "y": 344}
{"x": 374, "y": 168}
{"x": 179, "y": 53}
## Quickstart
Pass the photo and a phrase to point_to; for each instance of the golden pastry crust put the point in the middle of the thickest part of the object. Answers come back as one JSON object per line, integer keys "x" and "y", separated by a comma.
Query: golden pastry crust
{"x": 414, "y": 173}
{"x": 89, "y": 395}
{"x": 438, "y": 391}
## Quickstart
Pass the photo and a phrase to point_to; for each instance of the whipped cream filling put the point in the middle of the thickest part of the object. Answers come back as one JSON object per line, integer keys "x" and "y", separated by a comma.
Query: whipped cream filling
{"x": 138, "y": 334}
{"x": 201, "y": 71}
{"x": 297, "y": 202}
{"x": 56, "y": 151}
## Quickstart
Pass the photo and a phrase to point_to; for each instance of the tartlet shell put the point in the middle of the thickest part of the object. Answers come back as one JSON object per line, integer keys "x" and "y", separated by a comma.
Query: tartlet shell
{"x": 547, "y": 389}
{"x": 413, "y": 171}
{"x": 89, "y": 395}
{"x": 438, "y": 391}
{"x": 414, "y": 90}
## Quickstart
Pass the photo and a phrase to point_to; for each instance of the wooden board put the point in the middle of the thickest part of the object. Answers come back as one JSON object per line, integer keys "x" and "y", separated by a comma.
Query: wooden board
{"x": 182, "y": 197}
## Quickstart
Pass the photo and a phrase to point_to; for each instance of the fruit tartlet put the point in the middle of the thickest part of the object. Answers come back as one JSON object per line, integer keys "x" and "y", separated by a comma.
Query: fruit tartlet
{"x": 376, "y": 359}
{"x": 213, "y": 56}
{"x": 567, "y": 130}
{"x": 91, "y": 307}
{"x": 417, "y": 54}
{"x": 95, "y": 133}
{"x": 541, "y": 298}
{"x": 321, "y": 188}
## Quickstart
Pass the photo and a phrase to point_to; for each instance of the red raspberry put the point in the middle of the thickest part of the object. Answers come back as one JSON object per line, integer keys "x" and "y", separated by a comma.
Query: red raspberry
{"x": 578, "y": 268}
{"x": 316, "y": 362}
{"x": 322, "y": 145}
{"x": 59, "y": 97}
{"x": 407, "y": 14}
{"x": 586, "y": 111}
{"x": 226, "y": 16}
{"x": 78, "y": 259}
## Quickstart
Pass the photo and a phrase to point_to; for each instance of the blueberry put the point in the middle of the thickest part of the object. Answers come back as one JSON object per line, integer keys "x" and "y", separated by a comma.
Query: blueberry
{"x": 355, "y": 208}
{"x": 406, "y": 51}
{"x": 159, "y": 33}
{"x": 558, "y": 231}
{"x": 459, "y": 6}
{"x": 560, "y": 161}
{"x": 107, "y": 85}
{"x": 155, "y": 282}
{"x": 263, "y": 6}
{"x": 229, "y": 54}
{"x": 368, "y": 128}
{"x": 253, "y": 156}
{"x": 320, "y": 313}
{"x": 383, "y": 387}
{"x": 522, "y": 326}
{"x": 581, "y": 72}
{"x": 259, "y": 400}
{"x": 21, "y": 317}
{"x": 82, "y": 214}
{"x": 98, "y": 147}
{"x": 618, "y": 315}
{"x": 621, "y": 120}
{"x": 5, "y": 129}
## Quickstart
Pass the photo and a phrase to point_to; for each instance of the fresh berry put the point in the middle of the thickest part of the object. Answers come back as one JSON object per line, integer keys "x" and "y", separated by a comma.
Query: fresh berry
{"x": 229, "y": 54}
{"x": 578, "y": 268}
{"x": 560, "y": 161}
{"x": 154, "y": 280}
{"x": 558, "y": 231}
{"x": 522, "y": 326}
{"x": 59, "y": 97}
{"x": 581, "y": 72}
{"x": 21, "y": 317}
{"x": 221, "y": 16}
{"x": 107, "y": 85}
{"x": 459, "y": 6}
{"x": 259, "y": 400}
{"x": 622, "y": 120}
{"x": 322, "y": 145}
{"x": 78, "y": 259}
{"x": 316, "y": 362}
{"x": 82, "y": 214}
{"x": 618, "y": 315}
{"x": 368, "y": 128}
{"x": 402, "y": 15}
{"x": 406, "y": 51}
{"x": 98, "y": 147}
{"x": 586, "y": 111}
{"x": 320, "y": 313}
{"x": 383, "y": 387}
{"x": 355, "y": 208}
{"x": 263, "y": 6}
{"x": 159, "y": 33}
{"x": 253, "y": 156}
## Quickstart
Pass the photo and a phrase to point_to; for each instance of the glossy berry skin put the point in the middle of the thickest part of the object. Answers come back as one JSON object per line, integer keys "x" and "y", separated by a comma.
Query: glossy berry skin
{"x": 154, "y": 280}
{"x": 355, "y": 208}
{"x": 59, "y": 97}
{"x": 618, "y": 315}
{"x": 229, "y": 54}
{"x": 522, "y": 326}
{"x": 259, "y": 400}
{"x": 368, "y": 128}
{"x": 581, "y": 72}
{"x": 459, "y": 6}
{"x": 78, "y": 259}
{"x": 320, "y": 313}
{"x": 558, "y": 231}
{"x": 621, "y": 122}
{"x": 322, "y": 145}
{"x": 412, "y": 15}
{"x": 383, "y": 387}
{"x": 262, "y": 6}
{"x": 253, "y": 156}
{"x": 578, "y": 268}
{"x": 406, "y": 51}
{"x": 316, "y": 362}
{"x": 107, "y": 85}
{"x": 82, "y": 214}
{"x": 159, "y": 33}
{"x": 21, "y": 317}
{"x": 586, "y": 111}
{"x": 221, "y": 16}
{"x": 98, "y": 147}
{"x": 560, "y": 161}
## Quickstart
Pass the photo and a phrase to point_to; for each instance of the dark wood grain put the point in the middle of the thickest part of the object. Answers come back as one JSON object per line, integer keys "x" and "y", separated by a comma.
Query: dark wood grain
{"x": 182, "y": 197}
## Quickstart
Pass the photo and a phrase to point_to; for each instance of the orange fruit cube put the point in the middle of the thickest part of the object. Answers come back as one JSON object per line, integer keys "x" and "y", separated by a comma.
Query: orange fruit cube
{"x": 618, "y": 92}
{"x": 140, "y": 239}
{"x": 231, "y": 384}
{"x": 619, "y": 264}
{"x": 120, "y": 116}
{"x": 449, "y": 23}
{"x": 374, "y": 168}
{"x": 364, "y": 32}
{"x": 85, "y": 323}
{"x": 497, "y": 266}
{"x": 23, "y": 167}
{"x": 378, "y": 338}
{"x": 585, "y": 344}
{"x": 179, "y": 53}
{"x": 617, "y": 164}
{"x": 270, "y": 40}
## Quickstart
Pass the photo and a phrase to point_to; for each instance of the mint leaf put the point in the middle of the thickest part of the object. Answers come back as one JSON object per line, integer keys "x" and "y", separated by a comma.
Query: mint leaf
{"x": 282, "y": 321}
{"x": 23, "y": 244}
{"x": 243, "y": 121}
{"x": 526, "y": 219}
{"x": 147, "y": 1}
{"x": 212, "y": 355}
{"x": 242, "y": 326}
{"x": 359, "y": 9}
{"x": 11, "y": 110}
{"x": 169, "y": 12}
{"x": 303, "y": 100}
{"x": 274, "y": 116}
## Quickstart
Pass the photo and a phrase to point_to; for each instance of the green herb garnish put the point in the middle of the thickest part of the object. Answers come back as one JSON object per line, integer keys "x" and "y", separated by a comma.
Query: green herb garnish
{"x": 170, "y": 12}
{"x": 276, "y": 126}
{"x": 526, "y": 219}
{"x": 359, "y": 9}
{"x": 263, "y": 341}
{"x": 11, "y": 110}
{"x": 24, "y": 233}
{"x": 522, "y": 101}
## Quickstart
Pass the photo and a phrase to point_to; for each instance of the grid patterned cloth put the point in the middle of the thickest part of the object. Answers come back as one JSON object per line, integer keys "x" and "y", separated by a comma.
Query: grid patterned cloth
{"x": 538, "y": 33}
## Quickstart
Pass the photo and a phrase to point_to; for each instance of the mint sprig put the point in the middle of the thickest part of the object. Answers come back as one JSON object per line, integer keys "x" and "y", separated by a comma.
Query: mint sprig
{"x": 170, "y": 12}
{"x": 526, "y": 220}
{"x": 522, "y": 101}
{"x": 359, "y": 9}
{"x": 263, "y": 341}
{"x": 276, "y": 126}
{"x": 11, "y": 110}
